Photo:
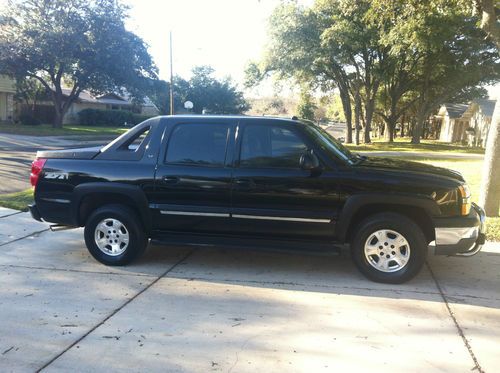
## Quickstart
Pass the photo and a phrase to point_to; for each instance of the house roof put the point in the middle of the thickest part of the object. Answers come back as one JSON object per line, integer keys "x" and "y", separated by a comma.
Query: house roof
{"x": 108, "y": 99}
{"x": 487, "y": 106}
{"x": 455, "y": 110}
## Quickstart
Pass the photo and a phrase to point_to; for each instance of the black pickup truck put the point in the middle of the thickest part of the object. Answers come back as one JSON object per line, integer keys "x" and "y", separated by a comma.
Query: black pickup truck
{"x": 255, "y": 182}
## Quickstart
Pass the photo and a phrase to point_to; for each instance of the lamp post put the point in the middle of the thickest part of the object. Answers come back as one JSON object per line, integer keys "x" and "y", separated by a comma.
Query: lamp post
{"x": 171, "y": 79}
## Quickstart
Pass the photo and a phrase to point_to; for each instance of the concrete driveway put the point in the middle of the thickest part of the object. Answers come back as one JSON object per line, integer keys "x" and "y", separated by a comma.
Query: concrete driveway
{"x": 207, "y": 309}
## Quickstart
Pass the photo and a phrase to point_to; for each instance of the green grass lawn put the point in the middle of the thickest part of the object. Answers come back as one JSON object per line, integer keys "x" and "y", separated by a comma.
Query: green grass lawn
{"x": 17, "y": 201}
{"x": 67, "y": 130}
{"x": 404, "y": 145}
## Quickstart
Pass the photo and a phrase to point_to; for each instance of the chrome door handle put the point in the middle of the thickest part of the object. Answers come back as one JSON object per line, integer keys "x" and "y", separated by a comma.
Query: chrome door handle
{"x": 170, "y": 179}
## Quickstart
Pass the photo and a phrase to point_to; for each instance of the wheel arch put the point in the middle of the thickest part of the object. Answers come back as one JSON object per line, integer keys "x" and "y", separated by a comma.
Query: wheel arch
{"x": 359, "y": 207}
{"x": 90, "y": 196}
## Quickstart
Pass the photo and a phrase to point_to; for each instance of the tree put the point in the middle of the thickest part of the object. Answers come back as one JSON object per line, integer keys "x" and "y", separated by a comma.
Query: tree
{"x": 159, "y": 93}
{"x": 436, "y": 55}
{"x": 30, "y": 91}
{"x": 490, "y": 183}
{"x": 79, "y": 44}
{"x": 295, "y": 53}
{"x": 214, "y": 96}
{"x": 306, "y": 107}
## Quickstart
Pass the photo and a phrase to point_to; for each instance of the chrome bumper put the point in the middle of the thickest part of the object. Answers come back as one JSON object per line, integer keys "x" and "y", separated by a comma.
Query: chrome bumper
{"x": 461, "y": 240}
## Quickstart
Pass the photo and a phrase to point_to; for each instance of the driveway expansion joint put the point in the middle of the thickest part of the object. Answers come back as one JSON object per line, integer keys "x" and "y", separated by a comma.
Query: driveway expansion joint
{"x": 75, "y": 270}
{"x": 115, "y": 311}
{"x": 14, "y": 213}
{"x": 455, "y": 321}
{"x": 22, "y": 238}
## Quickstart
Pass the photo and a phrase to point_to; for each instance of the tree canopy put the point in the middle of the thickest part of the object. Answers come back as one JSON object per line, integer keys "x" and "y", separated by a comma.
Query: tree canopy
{"x": 384, "y": 58}
{"x": 207, "y": 93}
{"x": 79, "y": 44}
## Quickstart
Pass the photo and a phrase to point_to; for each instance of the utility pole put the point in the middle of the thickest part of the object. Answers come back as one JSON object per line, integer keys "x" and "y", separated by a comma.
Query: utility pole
{"x": 171, "y": 79}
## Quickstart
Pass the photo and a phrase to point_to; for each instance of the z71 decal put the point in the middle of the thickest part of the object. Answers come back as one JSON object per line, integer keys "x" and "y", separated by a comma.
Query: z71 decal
{"x": 56, "y": 175}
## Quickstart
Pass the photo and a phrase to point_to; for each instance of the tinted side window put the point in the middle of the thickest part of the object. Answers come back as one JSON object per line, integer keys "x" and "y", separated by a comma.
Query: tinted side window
{"x": 199, "y": 144}
{"x": 270, "y": 146}
{"x": 134, "y": 143}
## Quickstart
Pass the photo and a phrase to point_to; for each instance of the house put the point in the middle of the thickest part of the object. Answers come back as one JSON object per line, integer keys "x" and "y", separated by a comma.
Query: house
{"x": 480, "y": 113}
{"x": 111, "y": 101}
{"x": 453, "y": 124}
{"x": 43, "y": 109}
{"x": 7, "y": 91}
{"x": 466, "y": 123}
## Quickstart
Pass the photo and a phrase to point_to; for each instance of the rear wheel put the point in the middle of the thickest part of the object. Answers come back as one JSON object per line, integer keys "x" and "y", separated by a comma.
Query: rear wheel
{"x": 113, "y": 235}
{"x": 389, "y": 248}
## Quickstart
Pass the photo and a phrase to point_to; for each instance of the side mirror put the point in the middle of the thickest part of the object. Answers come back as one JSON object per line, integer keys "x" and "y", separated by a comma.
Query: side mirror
{"x": 309, "y": 161}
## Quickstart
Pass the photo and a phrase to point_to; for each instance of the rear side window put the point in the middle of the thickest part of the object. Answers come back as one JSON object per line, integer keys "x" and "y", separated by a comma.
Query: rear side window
{"x": 135, "y": 142}
{"x": 270, "y": 147}
{"x": 198, "y": 144}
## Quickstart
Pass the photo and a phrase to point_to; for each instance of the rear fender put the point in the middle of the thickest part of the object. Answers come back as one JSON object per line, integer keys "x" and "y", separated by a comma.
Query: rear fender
{"x": 130, "y": 195}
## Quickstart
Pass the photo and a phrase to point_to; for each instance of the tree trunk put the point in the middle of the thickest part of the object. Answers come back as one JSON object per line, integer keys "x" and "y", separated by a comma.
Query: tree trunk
{"x": 346, "y": 105}
{"x": 57, "y": 98}
{"x": 58, "y": 120}
{"x": 418, "y": 127}
{"x": 389, "y": 130}
{"x": 368, "y": 122}
{"x": 490, "y": 183}
{"x": 357, "y": 116}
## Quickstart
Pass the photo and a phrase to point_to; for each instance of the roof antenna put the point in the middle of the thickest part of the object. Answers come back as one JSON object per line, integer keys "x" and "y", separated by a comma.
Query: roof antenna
{"x": 295, "y": 117}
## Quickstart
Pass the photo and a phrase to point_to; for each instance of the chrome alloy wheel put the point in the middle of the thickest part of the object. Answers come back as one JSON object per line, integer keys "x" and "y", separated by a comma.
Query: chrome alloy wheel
{"x": 387, "y": 250}
{"x": 111, "y": 237}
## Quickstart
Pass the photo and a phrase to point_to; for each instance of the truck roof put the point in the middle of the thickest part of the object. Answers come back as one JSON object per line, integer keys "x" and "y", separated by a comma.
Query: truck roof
{"x": 223, "y": 117}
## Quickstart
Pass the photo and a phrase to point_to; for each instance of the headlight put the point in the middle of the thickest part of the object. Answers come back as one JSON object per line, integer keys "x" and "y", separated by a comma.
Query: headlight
{"x": 465, "y": 202}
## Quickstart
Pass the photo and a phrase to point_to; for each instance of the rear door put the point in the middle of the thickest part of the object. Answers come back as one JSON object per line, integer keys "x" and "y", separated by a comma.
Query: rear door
{"x": 272, "y": 194}
{"x": 193, "y": 177}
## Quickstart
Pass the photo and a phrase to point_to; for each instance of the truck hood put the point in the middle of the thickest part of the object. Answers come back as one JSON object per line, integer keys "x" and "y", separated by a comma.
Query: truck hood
{"x": 80, "y": 153}
{"x": 390, "y": 164}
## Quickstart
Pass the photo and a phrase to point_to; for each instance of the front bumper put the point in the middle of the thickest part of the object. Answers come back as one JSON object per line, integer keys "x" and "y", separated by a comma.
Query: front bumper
{"x": 461, "y": 236}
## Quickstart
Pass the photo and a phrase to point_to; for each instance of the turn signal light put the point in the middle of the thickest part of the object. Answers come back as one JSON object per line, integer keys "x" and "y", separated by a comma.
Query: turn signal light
{"x": 465, "y": 202}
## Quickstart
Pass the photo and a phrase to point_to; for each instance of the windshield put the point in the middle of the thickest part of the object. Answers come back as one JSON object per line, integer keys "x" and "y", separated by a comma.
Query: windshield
{"x": 330, "y": 143}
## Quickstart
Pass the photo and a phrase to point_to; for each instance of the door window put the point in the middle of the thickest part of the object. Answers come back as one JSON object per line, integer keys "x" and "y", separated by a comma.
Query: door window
{"x": 265, "y": 146}
{"x": 198, "y": 144}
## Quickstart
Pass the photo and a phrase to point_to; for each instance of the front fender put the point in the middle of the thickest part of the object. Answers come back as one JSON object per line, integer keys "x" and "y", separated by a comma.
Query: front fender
{"x": 355, "y": 202}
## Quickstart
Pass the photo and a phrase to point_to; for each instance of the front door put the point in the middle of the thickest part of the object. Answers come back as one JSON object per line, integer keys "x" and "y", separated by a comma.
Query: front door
{"x": 272, "y": 194}
{"x": 192, "y": 186}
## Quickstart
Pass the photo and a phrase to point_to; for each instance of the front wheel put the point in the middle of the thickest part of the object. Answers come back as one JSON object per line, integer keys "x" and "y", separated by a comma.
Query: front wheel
{"x": 113, "y": 235}
{"x": 389, "y": 248}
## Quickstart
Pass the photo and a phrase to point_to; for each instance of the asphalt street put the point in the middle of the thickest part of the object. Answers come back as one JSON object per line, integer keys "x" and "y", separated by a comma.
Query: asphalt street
{"x": 185, "y": 309}
{"x": 17, "y": 152}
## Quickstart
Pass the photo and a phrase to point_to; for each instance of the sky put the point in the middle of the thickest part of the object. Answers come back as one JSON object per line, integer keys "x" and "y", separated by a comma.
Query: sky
{"x": 224, "y": 34}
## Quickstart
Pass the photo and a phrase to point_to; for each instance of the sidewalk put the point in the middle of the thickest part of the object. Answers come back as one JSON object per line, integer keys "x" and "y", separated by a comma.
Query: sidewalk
{"x": 207, "y": 309}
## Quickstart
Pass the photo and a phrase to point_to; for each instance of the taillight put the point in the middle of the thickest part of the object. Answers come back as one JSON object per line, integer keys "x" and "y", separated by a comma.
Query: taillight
{"x": 36, "y": 169}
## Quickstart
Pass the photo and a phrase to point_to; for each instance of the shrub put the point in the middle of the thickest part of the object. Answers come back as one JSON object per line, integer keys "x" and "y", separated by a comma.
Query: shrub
{"x": 117, "y": 118}
{"x": 29, "y": 120}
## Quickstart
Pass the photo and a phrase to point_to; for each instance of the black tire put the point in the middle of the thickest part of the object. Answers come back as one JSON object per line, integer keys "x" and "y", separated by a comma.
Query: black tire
{"x": 406, "y": 227}
{"x": 137, "y": 240}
